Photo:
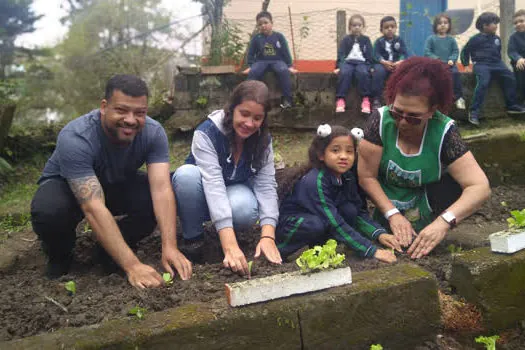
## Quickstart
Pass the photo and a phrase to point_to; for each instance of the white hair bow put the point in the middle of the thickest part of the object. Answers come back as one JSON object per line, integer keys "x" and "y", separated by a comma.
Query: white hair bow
{"x": 324, "y": 130}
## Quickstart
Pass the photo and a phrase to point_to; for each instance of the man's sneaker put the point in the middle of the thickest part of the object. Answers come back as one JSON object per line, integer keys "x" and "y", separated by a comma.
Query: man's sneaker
{"x": 516, "y": 109}
{"x": 365, "y": 105}
{"x": 58, "y": 266}
{"x": 286, "y": 104}
{"x": 460, "y": 103}
{"x": 340, "y": 105}
{"x": 473, "y": 118}
{"x": 376, "y": 104}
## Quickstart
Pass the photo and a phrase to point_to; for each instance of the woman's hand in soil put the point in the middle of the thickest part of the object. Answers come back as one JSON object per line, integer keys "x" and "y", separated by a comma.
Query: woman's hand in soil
{"x": 173, "y": 257}
{"x": 144, "y": 276}
{"x": 389, "y": 241}
{"x": 402, "y": 229}
{"x": 384, "y": 255}
{"x": 235, "y": 260}
{"x": 428, "y": 238}
{"x": 269, "y": 249}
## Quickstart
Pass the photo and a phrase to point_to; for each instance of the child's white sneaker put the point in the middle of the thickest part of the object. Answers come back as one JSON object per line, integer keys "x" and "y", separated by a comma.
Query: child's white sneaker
{"x": 460, "y": 103}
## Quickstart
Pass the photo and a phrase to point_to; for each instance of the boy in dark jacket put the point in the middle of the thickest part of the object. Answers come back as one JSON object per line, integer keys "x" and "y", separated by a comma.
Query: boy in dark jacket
{"x": 269, "y": 50}
{"x": 389, "y": 51}
{"x": 516, "y": 51}
{"x": 354, "y": 55}
{"x": 485, "y": 50}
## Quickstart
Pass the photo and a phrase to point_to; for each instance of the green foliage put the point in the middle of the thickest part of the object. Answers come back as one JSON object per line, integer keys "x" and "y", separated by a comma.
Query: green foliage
{"x": 376, "y": 347}
{"x": 453, "y": 249}
{"x": 201, "y": 101}
{"x": 490, "y": 342}
{"x": 320, "y": 257}
{"x": 5, "y": 167}
{"x": 167, "y": 278}
{"x": 15, "y": 222}
{"x": 250, "y": 264}
{"x": 71, "y": 287}
{"x": 138, "y": 312}
{"x": 517, "y": 220}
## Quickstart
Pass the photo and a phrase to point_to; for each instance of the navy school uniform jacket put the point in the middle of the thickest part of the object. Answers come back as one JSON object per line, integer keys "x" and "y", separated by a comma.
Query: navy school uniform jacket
{"x": 346, "y": 46}
{"x": 482, "y": 48}
{"x": 273, "y": 47}
{"x": 399, "y": 49}
{"x": 338, "y": 204}
{"x": 516, "y": 49}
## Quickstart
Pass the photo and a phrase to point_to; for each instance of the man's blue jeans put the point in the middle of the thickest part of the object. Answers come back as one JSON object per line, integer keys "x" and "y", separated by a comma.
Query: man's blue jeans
{"x": 192, "y": 206}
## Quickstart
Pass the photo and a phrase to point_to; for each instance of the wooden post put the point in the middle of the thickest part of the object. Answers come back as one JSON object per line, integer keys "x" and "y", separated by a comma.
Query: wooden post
{"x": 340, "y": 27}
{"x": 506, "y": 11}
{"x": 7, "y": 113}
{"x": 291, "y": 30}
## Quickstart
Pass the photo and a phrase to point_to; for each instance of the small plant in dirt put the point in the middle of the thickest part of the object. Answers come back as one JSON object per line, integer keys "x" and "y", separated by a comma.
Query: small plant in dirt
{"x": 490, "y": 342}
{"x": 71, "y": 287}
{"x": 453, "y": 249}
{"x": 517, "y": 219}
{"x": 376, "y": 347}
{"x": 138, "y": 312}
{"x": 250, "y": 264}
{"x": 167, "y": 278}
{"x": 320, "y": 257}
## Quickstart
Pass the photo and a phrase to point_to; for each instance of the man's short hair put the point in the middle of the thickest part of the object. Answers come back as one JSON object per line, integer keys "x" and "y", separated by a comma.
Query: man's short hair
{"x": 518, "y": 14}
{"x": 130, "y": 85}
{"x": 486, "y": 18}
{"x": 264, "y": 14}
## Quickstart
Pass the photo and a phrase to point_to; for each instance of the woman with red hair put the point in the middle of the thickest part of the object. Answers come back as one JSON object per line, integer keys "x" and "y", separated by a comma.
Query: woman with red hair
{"x": 413, "y": 163}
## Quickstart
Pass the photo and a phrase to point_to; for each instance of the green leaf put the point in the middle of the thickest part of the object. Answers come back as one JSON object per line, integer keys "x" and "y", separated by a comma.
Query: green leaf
{"x": 137, "y": 311}
{"x": 71, "y": 287}
{"x": 490, "y": 342}
{"x": 250, "y": 263}
{"x": 517, "y": 219}
{"x": 320, "y": 257}
{"x": 376, "y": 347}
{"x": 167, "y": 278}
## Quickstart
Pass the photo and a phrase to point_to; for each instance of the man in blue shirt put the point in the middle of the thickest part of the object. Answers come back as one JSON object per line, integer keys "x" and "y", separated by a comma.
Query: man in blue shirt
{"x": 93, "y": 173}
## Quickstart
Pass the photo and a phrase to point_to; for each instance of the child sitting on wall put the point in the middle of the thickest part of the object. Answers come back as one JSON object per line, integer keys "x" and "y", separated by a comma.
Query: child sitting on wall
{"x": 269, "y": 50}
{"x": 516, "y": 51}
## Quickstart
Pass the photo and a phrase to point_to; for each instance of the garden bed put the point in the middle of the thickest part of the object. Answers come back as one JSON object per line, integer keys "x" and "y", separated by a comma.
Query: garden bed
{"x": 25, "y": 294}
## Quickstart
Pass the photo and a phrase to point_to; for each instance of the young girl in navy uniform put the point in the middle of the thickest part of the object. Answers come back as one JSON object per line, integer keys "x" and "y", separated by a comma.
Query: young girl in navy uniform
{"x": 325, "y": 202}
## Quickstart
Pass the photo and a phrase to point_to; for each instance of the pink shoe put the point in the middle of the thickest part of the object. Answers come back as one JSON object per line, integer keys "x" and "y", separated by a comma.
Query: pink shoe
{"x": 365, "y": 105}
{"x": 340, "y": 105}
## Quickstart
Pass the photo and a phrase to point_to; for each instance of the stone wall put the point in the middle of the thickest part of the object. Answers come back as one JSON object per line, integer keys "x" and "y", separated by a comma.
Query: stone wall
{"x": 196, "y": 95}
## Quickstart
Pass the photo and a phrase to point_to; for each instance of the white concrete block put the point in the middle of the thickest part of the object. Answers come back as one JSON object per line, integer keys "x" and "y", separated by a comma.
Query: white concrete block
{"x": 507, "y": 242}
{"x": 283, "y": 285}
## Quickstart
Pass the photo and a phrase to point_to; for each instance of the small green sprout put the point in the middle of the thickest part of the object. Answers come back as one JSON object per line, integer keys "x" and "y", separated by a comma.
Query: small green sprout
{"x": 167, "y": 278}
{"x": 503, "y": 204}
{"x": 137, "y": 311}
{"x": 376, "y": 347}
{"x": 71, "y": 287}
{"x": 490, "y": 342}
{"x": 320, "y": 257}
{"x": 454, "y": 249}
{"x": 517, "y": 220}
{"x": 250, "y": 263}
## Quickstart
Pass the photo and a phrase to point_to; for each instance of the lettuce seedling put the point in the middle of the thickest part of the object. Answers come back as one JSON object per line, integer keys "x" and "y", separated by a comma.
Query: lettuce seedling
{"x": 167, "y": 278}
{"x": 71, "y": 287}
{"x": 490, "y": 342}
{"x": 250, "y": 264}
{"x": 376, "y": 347}
{"x": 137, "y": 311}
{"x": 517, "y": 220}
{"x": 320, "y": 257}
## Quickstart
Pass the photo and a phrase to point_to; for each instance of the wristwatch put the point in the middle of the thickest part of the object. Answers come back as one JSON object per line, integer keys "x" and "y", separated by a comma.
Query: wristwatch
{"x": 449, "y": 218}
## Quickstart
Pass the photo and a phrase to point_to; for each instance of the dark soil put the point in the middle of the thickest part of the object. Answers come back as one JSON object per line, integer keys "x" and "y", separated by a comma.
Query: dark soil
{"x": 25, "y": 295}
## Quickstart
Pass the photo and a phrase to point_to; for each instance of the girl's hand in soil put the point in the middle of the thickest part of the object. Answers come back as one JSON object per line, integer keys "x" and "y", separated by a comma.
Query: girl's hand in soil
{"x": 402, "y": 229}
{"x": 384, "y": 255}
{"x": 235, "y": 260}
{"x": 389, "y": 241}
{"x": 144, "y": 276}
{"x": 428, "y": 238}
{"x": 173, "y": 257}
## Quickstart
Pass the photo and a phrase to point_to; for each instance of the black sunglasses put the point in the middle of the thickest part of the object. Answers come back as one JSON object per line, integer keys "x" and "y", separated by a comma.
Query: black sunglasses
{"x": 410, "y": 119}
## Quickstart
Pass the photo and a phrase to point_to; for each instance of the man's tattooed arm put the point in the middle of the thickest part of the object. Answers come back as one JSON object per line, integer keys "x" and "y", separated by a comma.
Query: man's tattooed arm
{"x": 86, "y": 189}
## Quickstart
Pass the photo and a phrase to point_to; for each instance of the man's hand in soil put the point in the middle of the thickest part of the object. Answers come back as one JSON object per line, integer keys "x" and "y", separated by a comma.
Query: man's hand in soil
{"x": 428, "y": 238}
{"x": 143, "y": 276}
{"x": 171, "y": 256}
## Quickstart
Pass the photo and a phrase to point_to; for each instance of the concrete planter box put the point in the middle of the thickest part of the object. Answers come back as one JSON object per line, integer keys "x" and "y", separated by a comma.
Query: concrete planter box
{"x": 284, "y": 285}
{"x": 507, "y": 241}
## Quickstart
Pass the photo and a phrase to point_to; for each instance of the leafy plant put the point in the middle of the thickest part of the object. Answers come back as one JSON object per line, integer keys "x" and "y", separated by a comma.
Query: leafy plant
{"x": 137, "y": 311}
{"x": 250, "y": 264}
{"x": 490, "y": 342}
{"x": 71, "y": 287}
{"x": 167, "y": 278}
{"x": 453, "y": 249}
{"x": 320, "y": 257}
{"x": 517, "y": 220}
{"x": 201, "y": 101}
{"x": 376, "y": 347}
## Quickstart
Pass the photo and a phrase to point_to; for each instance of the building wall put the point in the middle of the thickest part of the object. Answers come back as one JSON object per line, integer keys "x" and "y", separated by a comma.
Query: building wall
{"x": 314, "y": 22}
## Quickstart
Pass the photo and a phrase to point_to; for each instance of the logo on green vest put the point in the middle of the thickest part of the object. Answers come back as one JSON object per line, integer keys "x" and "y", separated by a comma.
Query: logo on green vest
{"x": 269, "y": 50}
{"x": 397, "y": 176}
